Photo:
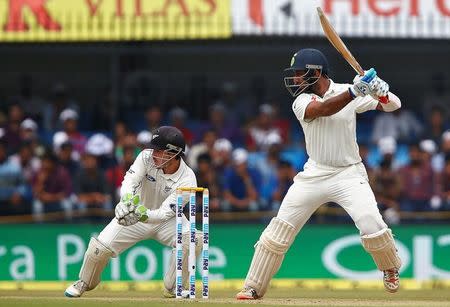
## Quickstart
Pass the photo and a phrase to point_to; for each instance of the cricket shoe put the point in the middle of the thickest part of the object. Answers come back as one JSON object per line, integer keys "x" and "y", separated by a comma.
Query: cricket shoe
{"x": 169, "y": 293}
{"x": 77, "y": 289}
{"x": 247, "y": 293}
{"x": 391, "y": 280}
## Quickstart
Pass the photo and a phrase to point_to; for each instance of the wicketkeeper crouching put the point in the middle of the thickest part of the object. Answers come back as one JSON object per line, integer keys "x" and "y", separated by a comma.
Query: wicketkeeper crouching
{"x": 148, "y": 195}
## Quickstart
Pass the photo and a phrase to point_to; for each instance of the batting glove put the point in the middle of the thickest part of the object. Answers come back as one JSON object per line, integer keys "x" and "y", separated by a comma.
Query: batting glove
{"x": 362, "y": 84}
{"x": 379, "y": 88}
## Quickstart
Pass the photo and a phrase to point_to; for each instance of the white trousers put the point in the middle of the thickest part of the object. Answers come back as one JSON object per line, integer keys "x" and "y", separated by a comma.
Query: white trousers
{"x": 118, "y": 238}
{"x": 347, "y": 186}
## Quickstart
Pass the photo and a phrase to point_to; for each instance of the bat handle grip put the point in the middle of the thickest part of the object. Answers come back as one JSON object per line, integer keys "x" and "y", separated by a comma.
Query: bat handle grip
{"x": 384, "y": 99}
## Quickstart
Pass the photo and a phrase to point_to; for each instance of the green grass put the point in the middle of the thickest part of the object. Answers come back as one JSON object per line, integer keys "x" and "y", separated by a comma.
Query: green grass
{"x": 225, "y": 298}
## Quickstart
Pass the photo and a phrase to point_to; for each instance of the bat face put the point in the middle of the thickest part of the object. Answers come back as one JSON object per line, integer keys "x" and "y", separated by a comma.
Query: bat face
{"x": 337, "y": 42}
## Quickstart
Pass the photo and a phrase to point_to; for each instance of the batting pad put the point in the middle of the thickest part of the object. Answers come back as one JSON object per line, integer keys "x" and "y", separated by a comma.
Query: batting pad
{"x": 269, "y": 254}
{"x": 170, "y": 276}
{"x": 381, "y": 247}
{"x": 95, "y": 259}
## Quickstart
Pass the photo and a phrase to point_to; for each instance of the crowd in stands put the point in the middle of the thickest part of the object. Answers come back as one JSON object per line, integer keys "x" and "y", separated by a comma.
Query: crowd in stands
{"x": 48, "y": 165}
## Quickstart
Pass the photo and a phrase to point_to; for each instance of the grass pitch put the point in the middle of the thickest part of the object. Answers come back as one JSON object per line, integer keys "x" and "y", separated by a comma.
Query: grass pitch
{"x": 225, "y": 298}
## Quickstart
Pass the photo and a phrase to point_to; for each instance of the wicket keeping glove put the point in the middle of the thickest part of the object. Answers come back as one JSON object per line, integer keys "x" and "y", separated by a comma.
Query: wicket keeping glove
{"x": 362, "y": 85}
{"x": 140, "y": 214}
{"x": 126, "y": 205}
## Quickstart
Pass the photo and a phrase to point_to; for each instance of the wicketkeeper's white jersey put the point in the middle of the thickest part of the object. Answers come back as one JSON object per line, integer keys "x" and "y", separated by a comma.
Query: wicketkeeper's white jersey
{"x": 331, "y": 140}
{"x": 156, "y": 189}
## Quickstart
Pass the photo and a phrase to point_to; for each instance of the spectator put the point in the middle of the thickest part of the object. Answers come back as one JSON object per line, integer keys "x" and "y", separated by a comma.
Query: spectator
{"x": 26, "y": 161}
{"x": 153, "y": 117}
{"x": 238, "y": 108}
{"x": 435, "y": 125}
{"x": 28, "y": 130}
{"x": 52, "y": 187}
{"x": 417, "y": 182}
{"x": 120, "y": 131}
{"x": 66, "y": 158}
{"x": 143, "y": 139}
{"x": 262, "y": 133}
{"x": 438, "y": 160}
{"x": 28, "y": 133}
{"x": 386, "y": 185}
{"x": 387, "y": 147}
{"x": 102, "y": 147}
{"x": 207, "y": 177}
{"x": 282, "y": 123}
{"x": 268, "y": 168}
{"x": 221, "y": 155}
{"x": 429, "y": 149}
{"x": 445, "y": 184}
{"x": 241, "y": 184}
{"x": 206, "y": 146}
{"x": 69, "y": 119}
{"x": 12, "y": 129}
{"x": 59, "y": 101}
{"x": 438, "y": 94}
{"x": 224, "y": 128}
{"x": 115, "y": 175}
{"x": 129, "y": 140}
{"x": 401, "y": 124}
{"x": 178, "y": 119}
{"x": 285, "y": 175}
{"x": 90, "y": 185}
{"x": 12, "y": 185}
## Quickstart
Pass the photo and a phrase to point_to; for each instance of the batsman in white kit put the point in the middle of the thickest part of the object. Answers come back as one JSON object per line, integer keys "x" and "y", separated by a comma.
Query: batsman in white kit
{"x": 333, "y": 173}
{"x": 146, "y": 211}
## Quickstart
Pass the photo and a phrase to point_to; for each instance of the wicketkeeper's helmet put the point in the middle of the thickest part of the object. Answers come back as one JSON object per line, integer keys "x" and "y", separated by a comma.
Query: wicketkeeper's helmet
{"x": 169, "y": 139}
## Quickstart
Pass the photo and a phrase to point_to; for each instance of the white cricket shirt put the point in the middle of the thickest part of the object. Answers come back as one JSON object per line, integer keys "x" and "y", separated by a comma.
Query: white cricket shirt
{"x": 331, "y": 140}
{"x": 157, "y": 190}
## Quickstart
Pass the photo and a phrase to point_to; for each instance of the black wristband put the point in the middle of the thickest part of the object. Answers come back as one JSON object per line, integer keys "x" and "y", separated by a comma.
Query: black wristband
{"x": 351, "y": 93}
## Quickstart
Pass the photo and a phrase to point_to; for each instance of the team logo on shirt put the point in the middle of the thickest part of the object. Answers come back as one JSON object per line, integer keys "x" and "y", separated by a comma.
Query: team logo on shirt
{"x": 167, "y": 189}
{"x": 150, "y": 178}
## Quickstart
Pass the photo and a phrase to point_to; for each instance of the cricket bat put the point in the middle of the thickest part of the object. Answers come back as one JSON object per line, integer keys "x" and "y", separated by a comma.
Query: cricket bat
{"x": 339, "y": 45}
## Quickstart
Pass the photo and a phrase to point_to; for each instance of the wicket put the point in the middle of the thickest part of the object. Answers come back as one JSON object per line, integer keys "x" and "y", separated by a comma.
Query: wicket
{"x": 192, "y": 229}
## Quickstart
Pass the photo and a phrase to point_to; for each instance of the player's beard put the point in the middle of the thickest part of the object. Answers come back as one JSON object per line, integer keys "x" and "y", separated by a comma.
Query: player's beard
{"x": 311, "y": 88}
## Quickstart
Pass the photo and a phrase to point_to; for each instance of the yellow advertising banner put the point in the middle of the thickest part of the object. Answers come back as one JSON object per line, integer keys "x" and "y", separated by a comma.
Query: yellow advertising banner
{"x": 113, "y": 20}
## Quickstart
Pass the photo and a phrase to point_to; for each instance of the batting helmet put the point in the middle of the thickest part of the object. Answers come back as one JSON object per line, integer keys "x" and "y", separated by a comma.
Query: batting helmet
{"x": 309, "y": 58}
